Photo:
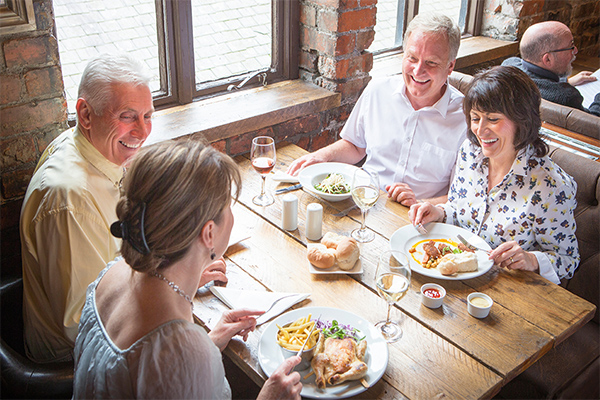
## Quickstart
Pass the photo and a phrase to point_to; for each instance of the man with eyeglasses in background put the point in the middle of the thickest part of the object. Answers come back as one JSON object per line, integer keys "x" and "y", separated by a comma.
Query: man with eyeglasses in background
{"x": 548, "y": 51}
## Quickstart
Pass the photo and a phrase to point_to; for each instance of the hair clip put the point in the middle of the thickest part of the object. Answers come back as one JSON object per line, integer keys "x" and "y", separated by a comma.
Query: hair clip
{"x": 120, "y": 229}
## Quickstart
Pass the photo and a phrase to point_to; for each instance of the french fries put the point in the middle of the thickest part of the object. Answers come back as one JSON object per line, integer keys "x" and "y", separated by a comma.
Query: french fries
{"x": 292, "y": 336}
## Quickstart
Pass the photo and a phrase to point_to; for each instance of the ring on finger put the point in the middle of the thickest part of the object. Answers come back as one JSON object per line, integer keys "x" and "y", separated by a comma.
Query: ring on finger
{"x": 511, "y": 260}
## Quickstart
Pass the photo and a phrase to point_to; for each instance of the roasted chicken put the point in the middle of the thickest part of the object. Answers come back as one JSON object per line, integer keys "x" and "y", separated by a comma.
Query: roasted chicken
{"x": 338, "y": 360}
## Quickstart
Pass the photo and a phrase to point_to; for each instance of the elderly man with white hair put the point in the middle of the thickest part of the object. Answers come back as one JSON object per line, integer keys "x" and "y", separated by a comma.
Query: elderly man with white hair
{"x": 547, "y": 54}
{"x": 408, "y": 126}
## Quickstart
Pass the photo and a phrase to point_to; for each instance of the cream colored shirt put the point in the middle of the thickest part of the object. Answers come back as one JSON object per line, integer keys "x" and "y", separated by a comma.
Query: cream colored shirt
{"x": 65, "y": 240}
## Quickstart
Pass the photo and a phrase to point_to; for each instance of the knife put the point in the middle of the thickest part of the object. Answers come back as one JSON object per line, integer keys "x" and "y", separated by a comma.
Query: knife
{"x": 288, "y": 189}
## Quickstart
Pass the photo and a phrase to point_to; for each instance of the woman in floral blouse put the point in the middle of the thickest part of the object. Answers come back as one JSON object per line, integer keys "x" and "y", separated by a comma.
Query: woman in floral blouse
{"x": 506, "y": 189}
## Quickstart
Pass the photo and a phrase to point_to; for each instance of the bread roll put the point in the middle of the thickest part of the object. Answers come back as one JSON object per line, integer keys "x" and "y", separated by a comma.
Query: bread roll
{"x": 462, "y": 262}
{"x": 331, "y": 240}
{"x": 320, "y": 256}
{"x": 347, "y": 253}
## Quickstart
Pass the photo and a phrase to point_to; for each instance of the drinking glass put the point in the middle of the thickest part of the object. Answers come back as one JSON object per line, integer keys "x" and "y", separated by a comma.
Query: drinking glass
{"x": 262, "y": 155}
{"x": 365, "y": 193}
{"x": 392, "y": 280}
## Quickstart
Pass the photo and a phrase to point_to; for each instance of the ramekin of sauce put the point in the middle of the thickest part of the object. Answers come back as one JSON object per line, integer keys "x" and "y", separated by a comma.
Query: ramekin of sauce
{"x": 432, "y": 295}
{"x": 479, "y": 304}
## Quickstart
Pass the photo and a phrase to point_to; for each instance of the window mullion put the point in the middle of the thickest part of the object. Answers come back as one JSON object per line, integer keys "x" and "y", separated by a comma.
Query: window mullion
{"x": 183, "y": 50}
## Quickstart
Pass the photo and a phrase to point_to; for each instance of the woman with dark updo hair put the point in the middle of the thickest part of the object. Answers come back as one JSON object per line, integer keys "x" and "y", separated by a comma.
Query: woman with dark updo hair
{"x": 506, "y": 189}
{"x": 137, "y": 337}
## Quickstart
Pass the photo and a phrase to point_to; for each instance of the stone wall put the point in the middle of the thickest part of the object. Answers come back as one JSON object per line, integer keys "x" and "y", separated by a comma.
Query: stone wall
{"x": 508, "y": 19}
{"x": 33, "y": 111}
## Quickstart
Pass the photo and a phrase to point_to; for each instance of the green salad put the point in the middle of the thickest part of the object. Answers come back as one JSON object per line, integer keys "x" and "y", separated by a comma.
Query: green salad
{"x": 333, "y": 184}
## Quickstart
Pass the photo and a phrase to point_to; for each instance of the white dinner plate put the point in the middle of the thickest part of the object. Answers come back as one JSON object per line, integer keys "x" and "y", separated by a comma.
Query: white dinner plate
{"x": 314, "y": 174}
{"x": 407, "y": 236}
{"x": 270, "y": 355}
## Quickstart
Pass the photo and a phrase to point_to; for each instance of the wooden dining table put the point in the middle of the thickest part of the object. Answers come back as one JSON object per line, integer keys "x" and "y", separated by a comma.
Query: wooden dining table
{"x": 443, "y": 352}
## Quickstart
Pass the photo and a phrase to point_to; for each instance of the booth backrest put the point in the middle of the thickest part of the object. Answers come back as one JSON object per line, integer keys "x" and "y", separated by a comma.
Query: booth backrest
{"x": 565, "y": 117}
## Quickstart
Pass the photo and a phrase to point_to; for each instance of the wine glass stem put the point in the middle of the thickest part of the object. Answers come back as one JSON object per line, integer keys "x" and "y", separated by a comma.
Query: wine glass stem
{"x": 387, "y": 321}
{"x": 362, "y": 223}
{"x": 262, "y": 187}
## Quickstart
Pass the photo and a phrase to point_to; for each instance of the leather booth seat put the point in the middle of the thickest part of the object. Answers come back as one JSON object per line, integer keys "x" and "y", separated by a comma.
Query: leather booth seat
{"x": 571, "y": 370}
{"x": 565, "y": 117}
{"x": 21, "y": 377}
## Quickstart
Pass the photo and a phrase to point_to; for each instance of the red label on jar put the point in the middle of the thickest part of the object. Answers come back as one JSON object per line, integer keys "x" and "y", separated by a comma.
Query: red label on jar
{"x": 431, "y": 292}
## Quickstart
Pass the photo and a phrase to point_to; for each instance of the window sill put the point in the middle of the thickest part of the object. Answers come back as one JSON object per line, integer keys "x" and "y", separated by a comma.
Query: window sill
{"x": 241, "y": 112}
{"x": 473, "y": 50}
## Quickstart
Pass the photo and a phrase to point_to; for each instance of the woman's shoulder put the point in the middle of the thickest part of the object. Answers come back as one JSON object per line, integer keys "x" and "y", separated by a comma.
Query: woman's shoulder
{"x": 553, "y": 174}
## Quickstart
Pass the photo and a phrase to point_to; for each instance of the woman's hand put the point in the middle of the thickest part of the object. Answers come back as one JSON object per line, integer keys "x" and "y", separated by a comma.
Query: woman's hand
{"x": 422, "y": 213}
{"x": 215, "y": 271}
{"x": 510, "y": 255}
{"x": 233, "y": 322}
{"x": 401, "y": 193}
{"x": 283, "y": 383}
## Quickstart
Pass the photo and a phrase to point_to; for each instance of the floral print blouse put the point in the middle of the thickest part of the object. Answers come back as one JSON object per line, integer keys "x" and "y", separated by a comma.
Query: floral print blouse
{"x": 533, "y": 205}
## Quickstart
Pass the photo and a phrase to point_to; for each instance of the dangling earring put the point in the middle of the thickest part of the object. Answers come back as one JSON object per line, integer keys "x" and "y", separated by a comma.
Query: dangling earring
{"x": 212, "y": 254}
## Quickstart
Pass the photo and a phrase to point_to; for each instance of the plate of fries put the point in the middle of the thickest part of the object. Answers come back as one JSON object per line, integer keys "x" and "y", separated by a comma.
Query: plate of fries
{"x": 271, "y": 354}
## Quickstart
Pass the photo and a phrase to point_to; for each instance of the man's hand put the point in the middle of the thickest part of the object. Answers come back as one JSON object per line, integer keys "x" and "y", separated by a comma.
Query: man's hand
{"x": 581, "y": 78}
{"x": 401, "y": 193}
{"x": 305, "y": 161}
{"x": 214, "y": 272}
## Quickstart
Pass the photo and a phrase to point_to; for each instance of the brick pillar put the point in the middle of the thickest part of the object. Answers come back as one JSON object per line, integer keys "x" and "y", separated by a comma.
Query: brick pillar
{"x": 334, "y": 38}
{"x": 33, "y": 111}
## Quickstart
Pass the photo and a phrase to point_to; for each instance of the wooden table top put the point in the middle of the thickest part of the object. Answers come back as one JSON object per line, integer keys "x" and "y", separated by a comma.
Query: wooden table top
{"x": 443, "y": 352}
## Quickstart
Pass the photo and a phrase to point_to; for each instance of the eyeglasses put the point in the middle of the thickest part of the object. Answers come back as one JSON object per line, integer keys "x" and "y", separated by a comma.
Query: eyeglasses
{"x": 559, "y": 50}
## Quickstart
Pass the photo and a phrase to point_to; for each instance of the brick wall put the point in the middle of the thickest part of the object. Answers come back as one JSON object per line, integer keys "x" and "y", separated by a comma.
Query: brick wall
{"x": 32, "y": 113}
{"x": 508, "y": 19}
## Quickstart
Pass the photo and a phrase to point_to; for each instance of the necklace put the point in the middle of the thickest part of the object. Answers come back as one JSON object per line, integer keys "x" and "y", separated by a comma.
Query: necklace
{"x": 176, "y": 288}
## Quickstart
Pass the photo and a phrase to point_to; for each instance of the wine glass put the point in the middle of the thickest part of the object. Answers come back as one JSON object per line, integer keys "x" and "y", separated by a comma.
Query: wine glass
{"x": 392, "y": 280}
{"x": 262, "y": 154}
{"x": 365, "y": 192}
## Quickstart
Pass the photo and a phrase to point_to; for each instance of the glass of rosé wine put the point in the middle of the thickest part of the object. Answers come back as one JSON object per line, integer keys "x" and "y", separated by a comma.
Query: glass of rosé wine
{"x": 262, "y": 155}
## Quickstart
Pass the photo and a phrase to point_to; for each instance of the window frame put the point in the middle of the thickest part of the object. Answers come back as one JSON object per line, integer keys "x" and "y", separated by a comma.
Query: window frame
{"x": 176, "y": 53}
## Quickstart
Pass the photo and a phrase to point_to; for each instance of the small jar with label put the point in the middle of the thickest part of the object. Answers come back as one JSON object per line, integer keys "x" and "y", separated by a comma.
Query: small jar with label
{"x": 314, "y": 221}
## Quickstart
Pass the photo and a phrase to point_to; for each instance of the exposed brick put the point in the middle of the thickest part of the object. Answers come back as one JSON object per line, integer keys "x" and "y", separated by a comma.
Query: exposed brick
{"x": 349, "y": 4}
{"x": 10, "y": 89}
{"x": 32, "y": 116}
{"x": 349, "y": 90}
{"x": 296, "y": 126}
{"x": 323, "y": 139}
{"x": 327, "y": 20}
{"x": 18, "y": 151}
{"x": 345, "y": 44}
{"x": 364, "y": 39}
{"x": 241, "y": 144}
{"x": 44, "y": 139}
{"x": 30, "y": 51}
{"x": 313, "y": 39}
{"x": 308, "y": 15}
{"x": 357, "y": 19}
{"x": 531, "y": 7}
{"x": 326, "y": 3}
{"x": 45, "y": 81}
{"x": 303, "y": 142}
{"x": 14, "y": 183}
{"x": 345, "y": 68}
{"x": 368, "y": 3}
{"x": 220, "y": 145}
{"x": 308, "y": 60}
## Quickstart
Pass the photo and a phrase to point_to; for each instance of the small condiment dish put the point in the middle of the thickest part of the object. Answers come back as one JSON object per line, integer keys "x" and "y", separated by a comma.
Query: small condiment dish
{"x": 479, "y": 304}
{"x": 307, "y": 355}
{"x": 432, "y": 295}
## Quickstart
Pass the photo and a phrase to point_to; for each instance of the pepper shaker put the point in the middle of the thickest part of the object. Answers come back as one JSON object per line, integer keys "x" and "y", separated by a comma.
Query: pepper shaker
{"x": 314, "y": 221}
{"x": 289, "y": 216}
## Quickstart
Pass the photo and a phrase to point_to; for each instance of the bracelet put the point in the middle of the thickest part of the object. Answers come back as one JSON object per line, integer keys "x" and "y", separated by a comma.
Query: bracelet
{"x": 445, "y": 216}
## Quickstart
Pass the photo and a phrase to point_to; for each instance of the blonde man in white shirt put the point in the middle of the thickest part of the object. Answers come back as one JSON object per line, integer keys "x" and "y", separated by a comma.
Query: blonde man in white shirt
{"x": 409, "y": 127}
{"x": 71, "y": 199}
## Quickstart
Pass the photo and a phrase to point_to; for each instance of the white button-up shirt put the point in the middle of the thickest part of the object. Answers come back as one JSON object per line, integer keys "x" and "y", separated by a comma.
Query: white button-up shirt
{"x": 533, "y": 205}
{"x": 417, "y": 147}
{"x": 65, "y": 240}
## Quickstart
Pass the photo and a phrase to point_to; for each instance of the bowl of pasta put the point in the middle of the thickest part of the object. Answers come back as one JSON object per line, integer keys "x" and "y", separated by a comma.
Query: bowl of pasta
{"x": 330, "y": 181}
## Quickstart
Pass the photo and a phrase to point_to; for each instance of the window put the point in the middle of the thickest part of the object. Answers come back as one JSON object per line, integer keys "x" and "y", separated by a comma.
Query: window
{"x": 393, "y": 17}
{"x": 195, "y": 48}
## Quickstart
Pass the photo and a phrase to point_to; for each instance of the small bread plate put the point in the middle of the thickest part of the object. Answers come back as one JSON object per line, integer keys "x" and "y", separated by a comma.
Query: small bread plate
{"x": 314, "y": 174}
{"x": 270, "y": 355}
{"x": 407, "y": 237}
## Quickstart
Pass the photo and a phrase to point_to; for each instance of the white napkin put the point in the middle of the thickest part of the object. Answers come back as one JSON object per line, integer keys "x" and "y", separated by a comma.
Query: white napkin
{"x": 237, "y": 235}
{"x": 279, "y": 176}
{"x": 235, "y": 298}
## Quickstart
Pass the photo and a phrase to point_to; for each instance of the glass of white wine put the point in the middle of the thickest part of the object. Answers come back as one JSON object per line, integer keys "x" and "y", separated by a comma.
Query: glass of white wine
{"x": 392, "y": 280}
{"x": 365, "y": 193}
{"x": 262, "y": 155}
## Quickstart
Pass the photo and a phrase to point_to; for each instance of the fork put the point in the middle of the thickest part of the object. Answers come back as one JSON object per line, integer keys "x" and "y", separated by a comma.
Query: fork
{"x": 345, "y": 212}
{"x": 278, "y": 300}
{"x": 421, "y": 229}
{"x": 470, "y": 246}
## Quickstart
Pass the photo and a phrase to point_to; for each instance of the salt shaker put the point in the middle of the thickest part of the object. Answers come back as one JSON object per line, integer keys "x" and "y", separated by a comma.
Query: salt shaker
{"x": 314, "y": 221}
{"x": 289, "y": 217}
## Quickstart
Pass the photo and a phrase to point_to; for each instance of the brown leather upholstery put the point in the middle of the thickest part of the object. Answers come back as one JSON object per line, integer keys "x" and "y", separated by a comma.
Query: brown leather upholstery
{"x": 565, "y": 117}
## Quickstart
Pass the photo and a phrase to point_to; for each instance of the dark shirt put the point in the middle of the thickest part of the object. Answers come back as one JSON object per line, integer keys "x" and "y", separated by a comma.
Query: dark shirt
{"x": 552, "y": 88}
